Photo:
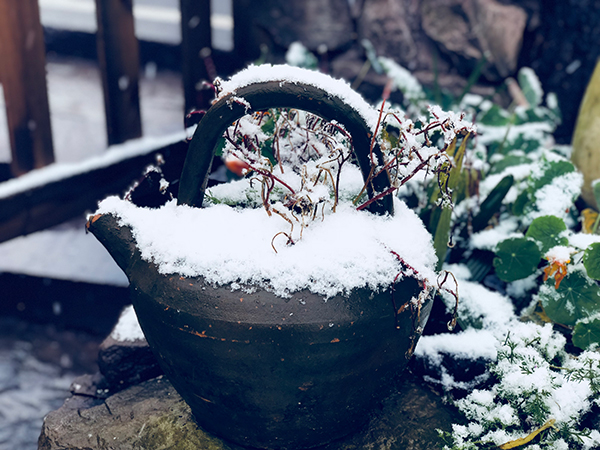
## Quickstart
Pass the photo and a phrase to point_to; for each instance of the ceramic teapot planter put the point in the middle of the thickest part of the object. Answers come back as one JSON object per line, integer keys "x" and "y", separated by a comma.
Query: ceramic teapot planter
{"x": 260, "y": 369}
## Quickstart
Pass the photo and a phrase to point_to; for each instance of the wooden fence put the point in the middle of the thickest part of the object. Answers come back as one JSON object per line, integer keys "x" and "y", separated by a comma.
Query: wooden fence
{"x": 22, "y": 74}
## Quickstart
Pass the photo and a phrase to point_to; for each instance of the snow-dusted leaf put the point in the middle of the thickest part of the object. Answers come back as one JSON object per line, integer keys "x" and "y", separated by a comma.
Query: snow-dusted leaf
{"x": 551, "y": 170}
{"x": 267, "y": 150}
{"x": 298, "y": 55}
{"x": 495, "y": 116}
{"x": 591, "y": 261}
{"x": 520, "y": 203}
{"x": 577, "y": 297}
{"x": 269, "y": 126}
{"x": 509, "y": 160}
{"x": 372, "y": 55}
{"x": 553, "y": 107}
{"x": 546, "y": 230}
{"x": 551, "y": 189}
{"x": 538, "y": 114}
{"x": 516, "y": 258}
{"x": 531, "y": 86}
{"x": 586, "y": 333}
{"x": 402, "y": 78}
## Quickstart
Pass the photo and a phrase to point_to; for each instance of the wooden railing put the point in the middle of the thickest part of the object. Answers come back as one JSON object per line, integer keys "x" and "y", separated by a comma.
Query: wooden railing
{"x": 22, "y": 75}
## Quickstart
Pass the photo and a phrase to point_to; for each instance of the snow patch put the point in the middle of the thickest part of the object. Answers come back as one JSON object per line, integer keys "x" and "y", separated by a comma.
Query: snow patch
{"x": 347, "y": 250}
{"x": 65, "y": 252}
{"x": 127, "y": 328}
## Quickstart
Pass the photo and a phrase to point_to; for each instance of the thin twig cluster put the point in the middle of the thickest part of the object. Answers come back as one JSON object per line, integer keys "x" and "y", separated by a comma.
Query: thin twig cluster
{"x": 276, "y": 143}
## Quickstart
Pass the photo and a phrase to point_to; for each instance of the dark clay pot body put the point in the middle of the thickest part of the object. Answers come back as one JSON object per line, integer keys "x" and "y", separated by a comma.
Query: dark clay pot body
{"x": 268, "y": 372}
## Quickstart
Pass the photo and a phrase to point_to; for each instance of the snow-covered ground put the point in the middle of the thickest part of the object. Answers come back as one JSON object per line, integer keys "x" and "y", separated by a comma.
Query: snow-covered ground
{"x": 31, "y": 389}
{"x": 37, "y": 365}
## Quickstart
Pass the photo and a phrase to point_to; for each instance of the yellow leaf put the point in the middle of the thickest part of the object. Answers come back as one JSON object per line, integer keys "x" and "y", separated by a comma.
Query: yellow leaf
{"x": 589, "y": 219}
{"x": 522, "y": 441}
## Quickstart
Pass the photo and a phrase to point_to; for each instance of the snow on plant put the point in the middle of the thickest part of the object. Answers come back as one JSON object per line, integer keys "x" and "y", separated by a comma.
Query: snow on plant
{"x": 514, "y": 219}
{"x": 296, "y": 159}
{"x": 568, "y": 293}
{"x": 403, "y": 80}
{"x": 298, "y": 55}
{"x": 542, "y": 393}
{"x": 295, "y": 162}
{"x": 534, "y": 392}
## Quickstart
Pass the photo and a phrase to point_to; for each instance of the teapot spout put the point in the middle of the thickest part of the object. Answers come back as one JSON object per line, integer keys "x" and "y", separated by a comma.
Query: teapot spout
{"x": 117, "y": 239}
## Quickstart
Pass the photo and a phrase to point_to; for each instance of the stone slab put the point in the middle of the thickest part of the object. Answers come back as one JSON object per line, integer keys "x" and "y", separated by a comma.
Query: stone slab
{"x": 151, "y": 415}
{"x": 125, "y": 363}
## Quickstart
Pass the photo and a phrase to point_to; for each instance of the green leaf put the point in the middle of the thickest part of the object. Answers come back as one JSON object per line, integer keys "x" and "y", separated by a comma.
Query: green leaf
{"x": 442, "y": 226}
{"x": 372, "y": 56}
{"x": 492, "y": 203}
{"x": 551, "y": 170}
{"x": 591, "y": 261}
{"x": 516, "y": 258}
{"x": 458, "y": 162}
{"x": 269, "y": 126}
{"x": 267, "y": 150}
{"x": 495, "y": 116}
{"x": 539, "y": 114}
{"x": 545, "y": 174}
{"x": 520, "y": 203}
{"x": 546, "y": 230}
{"x": 586, "y": 333}
{"x": 220, "y": 147}
{"x": 525, "y": 145}
{"x": 531, "y": 86}
{"x": 442, "y": 234}
{"x": 577, "y": 297}
{"x": 479, "y": 264}
{"x": 389, "y": 137}
{"x": 596, "y": 190}
{"x": 509, "y": 161}
{"x": 553, "y": 107}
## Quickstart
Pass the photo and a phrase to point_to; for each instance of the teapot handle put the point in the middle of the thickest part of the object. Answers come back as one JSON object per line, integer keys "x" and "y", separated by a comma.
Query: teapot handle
{"x": 277, "y": 94}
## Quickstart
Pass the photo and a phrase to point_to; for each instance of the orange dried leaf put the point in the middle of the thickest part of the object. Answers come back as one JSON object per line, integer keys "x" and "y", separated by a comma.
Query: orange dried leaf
{"x": 556, "y": 269}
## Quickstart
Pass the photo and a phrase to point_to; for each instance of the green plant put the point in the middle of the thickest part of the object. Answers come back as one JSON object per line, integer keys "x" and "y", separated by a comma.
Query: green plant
{"x": 568, "y": 294}
{"x": 528, "y": 406}
{"x": 528, "y": 239}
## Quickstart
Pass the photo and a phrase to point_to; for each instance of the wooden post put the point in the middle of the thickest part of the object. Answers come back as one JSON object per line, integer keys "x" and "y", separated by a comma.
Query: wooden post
{"x": 118, "y": 57}
{"x": 245, "y": 41}
{"x": 196, "y": 45}
{"x": 23, "y": 78}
